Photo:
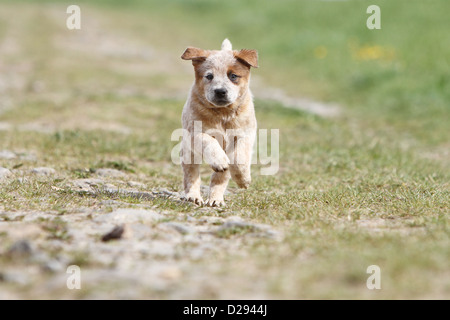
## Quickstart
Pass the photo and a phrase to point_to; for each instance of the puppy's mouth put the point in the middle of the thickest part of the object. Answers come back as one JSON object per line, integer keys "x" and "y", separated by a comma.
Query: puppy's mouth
{"x": 221, "y": 102}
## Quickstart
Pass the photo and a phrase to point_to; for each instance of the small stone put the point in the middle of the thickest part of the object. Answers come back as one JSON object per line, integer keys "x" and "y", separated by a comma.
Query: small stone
{"x": 162, "y": 249}
{"x": 141, "y": 195}
{"x": 130, "y": 216}
{"x": 27, "y": 157}
{"x": 181, "y": 228}
{"x": 190, "y": 219}
{"x": 252, "y": 229}
{"x": 37, "y": 86}
{"x": 87, "y": 185}
{"x": 200, "y": 251}
{"x": 245, "y": 224}
{"x": 44, "y": 171}
{"x": 171, "y": 273}
{"x": 114, "y": 234}
{"x": 20, "y": 249}
{"x": 239, "y": 224}
{"x": 135, "y": 184}
{"x": 20, "y": 278}
{"x": 110, "y": 203}
{"x": 7, "y": 155}
{"x": 168, "y": 193}
{"x": 4, "y": 172}
{"x": 138, "y": 231}
{"x": 5, "y": 126}
{"x": 53, "y": 266}
{"x": 109, "y": 173}
{"x": 212, "y": 220}
{"x": 234, "y": 218}
{"x": 110, "y": 188}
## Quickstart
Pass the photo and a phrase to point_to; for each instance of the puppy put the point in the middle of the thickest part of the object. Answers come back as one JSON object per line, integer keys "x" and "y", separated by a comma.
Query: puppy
{"x": 218, "y": 120}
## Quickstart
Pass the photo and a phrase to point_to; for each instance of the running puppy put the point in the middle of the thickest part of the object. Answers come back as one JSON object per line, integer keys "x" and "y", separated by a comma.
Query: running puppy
{"x": 219, "y": 121}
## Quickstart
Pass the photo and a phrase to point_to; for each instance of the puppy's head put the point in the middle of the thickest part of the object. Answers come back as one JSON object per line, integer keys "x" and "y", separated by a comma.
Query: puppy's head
{"x": 222, "y": 76}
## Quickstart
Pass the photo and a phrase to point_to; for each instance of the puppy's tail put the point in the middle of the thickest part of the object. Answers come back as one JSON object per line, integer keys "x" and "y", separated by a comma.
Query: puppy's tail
{"x": 226, "y": 45}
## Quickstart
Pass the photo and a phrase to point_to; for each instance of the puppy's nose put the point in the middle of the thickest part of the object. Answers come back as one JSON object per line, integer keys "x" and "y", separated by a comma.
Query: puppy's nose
{"x": 220, "y": 93}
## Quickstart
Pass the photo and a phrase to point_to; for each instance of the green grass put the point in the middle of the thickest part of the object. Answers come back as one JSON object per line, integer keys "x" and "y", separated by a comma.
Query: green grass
{"x": 385, "y": 159}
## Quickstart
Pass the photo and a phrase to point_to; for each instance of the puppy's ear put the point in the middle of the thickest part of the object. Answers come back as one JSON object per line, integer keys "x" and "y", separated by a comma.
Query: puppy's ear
{"x": 248, "y": 57}
{"x": 195, "y": 54}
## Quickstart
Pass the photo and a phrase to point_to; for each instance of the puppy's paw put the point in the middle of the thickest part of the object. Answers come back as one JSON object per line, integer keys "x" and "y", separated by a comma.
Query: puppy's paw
{"x": 219, "y": 167}
{"x": 215, "y": 203}
{"x": 243, "y": 180}
{"x": 195, "y": 198}
{"x": 220, "y": 163}
{"x": 216, "y": 158}
{"x": 244, "y": 184}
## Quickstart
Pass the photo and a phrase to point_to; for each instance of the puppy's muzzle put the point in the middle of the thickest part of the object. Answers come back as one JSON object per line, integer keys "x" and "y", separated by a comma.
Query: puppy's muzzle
{"x": 221, "y": 96}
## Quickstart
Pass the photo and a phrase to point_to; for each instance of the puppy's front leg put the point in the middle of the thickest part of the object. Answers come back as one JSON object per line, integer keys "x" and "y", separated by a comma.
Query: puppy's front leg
{"x": 192, "y": 183}
{"x": 215, "y": 156}
{"x": 219, "y": 182}
{"x": 211, "y": 151}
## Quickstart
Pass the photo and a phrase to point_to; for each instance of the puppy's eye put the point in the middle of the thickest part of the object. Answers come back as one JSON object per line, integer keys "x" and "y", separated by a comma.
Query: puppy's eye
{"x": 209, "y": 76}
{"x": 233, "y": 77}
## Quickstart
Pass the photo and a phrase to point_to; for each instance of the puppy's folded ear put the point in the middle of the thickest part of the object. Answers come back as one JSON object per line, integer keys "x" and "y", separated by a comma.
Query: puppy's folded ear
{"x": 195, "y": 54}
{"x": 248, "y": 57}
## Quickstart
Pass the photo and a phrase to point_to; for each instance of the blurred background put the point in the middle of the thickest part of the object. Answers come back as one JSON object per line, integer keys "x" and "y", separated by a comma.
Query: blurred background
{"x": 364, "y": 147}
{"x": 316, "y": 49}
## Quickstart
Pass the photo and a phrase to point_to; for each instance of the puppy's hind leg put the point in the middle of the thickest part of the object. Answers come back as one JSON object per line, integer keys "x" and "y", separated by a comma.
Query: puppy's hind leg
{"x": 241, "y": 155}
{"x": 241, "y": 175}
{"x": 218, "y": 185}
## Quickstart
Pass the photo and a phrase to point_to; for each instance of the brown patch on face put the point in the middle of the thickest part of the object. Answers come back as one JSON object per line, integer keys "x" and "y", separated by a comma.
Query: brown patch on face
{"x": 242, "y": 71}
{"x": 199, "y": 75}
{"x": 239, "y": 69}
{"x": 199, "y": 70}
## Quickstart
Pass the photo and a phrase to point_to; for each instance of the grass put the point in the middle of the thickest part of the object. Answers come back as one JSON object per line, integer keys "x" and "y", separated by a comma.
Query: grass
{"x": 367, "y": 187}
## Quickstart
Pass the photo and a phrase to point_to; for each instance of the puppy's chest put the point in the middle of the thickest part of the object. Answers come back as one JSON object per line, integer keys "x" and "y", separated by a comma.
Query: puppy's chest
{"x": 224, "y": 124}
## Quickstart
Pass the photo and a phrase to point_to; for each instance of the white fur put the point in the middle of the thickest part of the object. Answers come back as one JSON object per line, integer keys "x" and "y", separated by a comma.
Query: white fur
{"x": 217, "y": 64}
{"x": 226, "y": 45}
